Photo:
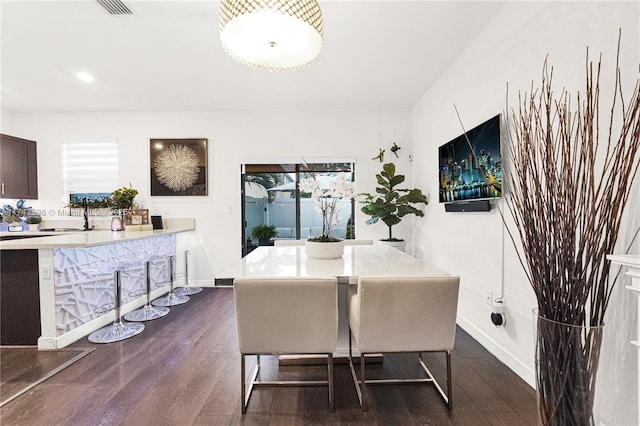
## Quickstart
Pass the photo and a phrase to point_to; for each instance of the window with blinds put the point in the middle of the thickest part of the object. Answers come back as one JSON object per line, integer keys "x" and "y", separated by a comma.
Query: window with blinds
{"x": 90, "y": 167}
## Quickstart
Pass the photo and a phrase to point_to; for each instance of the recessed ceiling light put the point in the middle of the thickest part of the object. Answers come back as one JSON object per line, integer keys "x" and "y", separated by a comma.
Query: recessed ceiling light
{"x": 85, "y": 76}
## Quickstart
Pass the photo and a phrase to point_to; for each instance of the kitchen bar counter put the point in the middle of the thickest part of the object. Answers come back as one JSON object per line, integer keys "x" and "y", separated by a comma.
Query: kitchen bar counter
{"x": 82, "y": 239}
{"x": 62, "y": 284}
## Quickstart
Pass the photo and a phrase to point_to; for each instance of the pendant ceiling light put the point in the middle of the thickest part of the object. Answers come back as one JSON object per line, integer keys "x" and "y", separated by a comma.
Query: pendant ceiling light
{"x": 277, "y": 35}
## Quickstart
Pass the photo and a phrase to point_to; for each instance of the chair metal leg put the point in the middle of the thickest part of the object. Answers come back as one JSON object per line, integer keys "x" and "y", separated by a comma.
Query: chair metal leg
{"x": 449, "y": 384}
{"x": 246, "y": 392}
{"x": 330, "y": 380}
{"x": 363, "y": 384}
{"x": 242, "y": 381}
{"x": 446, "y": 397}
{"x": 356, "y": 382}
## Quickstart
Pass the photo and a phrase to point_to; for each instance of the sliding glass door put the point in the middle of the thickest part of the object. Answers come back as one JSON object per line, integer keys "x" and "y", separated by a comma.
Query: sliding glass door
{"x": 271, "y": 201}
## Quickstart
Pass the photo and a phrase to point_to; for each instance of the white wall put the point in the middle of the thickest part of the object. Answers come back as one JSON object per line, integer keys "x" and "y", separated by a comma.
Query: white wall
{"x": 512, "y": 48}
{"x": 6, "y": 121}
{"x": 233, "y": 136}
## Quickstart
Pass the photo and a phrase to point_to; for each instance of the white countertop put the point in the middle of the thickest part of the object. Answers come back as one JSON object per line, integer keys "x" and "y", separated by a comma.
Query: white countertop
{"x": 291, "y": 261}
{"x": 89, "y": 238}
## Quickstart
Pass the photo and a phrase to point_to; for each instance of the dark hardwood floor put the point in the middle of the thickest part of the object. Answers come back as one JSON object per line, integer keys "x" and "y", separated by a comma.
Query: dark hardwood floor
{"x": 184, "y": 370}
{"x": 23, "y": 367}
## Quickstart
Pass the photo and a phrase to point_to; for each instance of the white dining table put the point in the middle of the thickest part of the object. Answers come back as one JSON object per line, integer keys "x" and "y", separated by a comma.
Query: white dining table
{"x": 365, "y": 260}
{"x": 357, "y": 261}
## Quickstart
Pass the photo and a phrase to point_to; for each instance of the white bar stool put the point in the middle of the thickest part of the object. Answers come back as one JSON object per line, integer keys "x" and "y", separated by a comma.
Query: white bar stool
{"x": 171, "y": 299}
{"x": 148, "y": 312}
{"x": 187, "y": 290}
{"x": 119, "y": 330}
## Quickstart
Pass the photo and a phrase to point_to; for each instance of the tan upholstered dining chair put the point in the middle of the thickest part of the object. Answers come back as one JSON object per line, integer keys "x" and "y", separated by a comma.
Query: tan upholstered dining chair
{"x": 402, "y": 314}
{"x": 286, "y": 316}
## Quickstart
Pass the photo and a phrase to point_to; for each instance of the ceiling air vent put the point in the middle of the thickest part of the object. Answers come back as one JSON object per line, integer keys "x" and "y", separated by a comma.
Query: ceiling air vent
{"x": 115, "y": 7}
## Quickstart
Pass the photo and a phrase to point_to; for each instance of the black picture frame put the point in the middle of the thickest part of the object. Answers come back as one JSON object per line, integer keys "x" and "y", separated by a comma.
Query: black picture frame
{"x": 184, "y": 172}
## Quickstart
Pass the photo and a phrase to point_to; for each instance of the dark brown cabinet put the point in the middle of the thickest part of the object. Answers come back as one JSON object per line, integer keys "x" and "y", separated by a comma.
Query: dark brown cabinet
{"x": 18, "y": 168}
{"x": 19, "y": 298}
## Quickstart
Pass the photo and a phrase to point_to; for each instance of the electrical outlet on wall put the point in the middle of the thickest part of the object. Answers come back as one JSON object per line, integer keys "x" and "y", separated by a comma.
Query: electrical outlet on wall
{"x": 46, "y": 271}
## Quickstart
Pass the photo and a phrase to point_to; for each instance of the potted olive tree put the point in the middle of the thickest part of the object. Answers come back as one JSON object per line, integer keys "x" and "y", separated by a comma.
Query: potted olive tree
{"x": 391, "y": 203}
{"x": 264, "y": 233}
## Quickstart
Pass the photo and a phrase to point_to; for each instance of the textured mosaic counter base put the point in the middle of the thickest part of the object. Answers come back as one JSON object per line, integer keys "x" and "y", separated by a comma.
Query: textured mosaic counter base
{"x": 84, "y": 278}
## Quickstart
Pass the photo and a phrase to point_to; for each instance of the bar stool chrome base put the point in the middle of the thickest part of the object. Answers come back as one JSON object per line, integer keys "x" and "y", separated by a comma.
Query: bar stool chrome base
{"x": 147, "y": 313}
{"x": 171, "y": 299}
{"x": 116, "y": 332}
{"x": 188, "y": 290}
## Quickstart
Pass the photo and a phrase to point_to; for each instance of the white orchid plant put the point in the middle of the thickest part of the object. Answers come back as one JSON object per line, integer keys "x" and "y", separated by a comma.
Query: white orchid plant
{"x": 326, "y": 201}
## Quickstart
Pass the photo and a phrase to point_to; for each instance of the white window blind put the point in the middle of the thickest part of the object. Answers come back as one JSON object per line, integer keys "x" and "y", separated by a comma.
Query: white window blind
{"x": 90, "y": 167}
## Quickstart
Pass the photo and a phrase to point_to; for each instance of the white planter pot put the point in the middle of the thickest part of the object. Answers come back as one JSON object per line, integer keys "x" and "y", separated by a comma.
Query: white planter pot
{"x": 400, "y": 245}
{"x": 33, "y": 227}
{"x": 318, "y": 250}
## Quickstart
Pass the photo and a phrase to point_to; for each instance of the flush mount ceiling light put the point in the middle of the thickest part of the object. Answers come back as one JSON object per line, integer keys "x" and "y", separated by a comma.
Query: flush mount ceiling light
{"x": 277, "y": 35}
{"x": 84, "y": 76}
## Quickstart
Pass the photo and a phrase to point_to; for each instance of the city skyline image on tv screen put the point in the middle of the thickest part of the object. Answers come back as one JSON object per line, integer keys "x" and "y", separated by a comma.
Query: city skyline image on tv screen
{"x": 465, "y": 176}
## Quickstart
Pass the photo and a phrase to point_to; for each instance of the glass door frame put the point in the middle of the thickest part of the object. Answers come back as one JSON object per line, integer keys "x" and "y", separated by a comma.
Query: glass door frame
{"x": 249, "y": 168}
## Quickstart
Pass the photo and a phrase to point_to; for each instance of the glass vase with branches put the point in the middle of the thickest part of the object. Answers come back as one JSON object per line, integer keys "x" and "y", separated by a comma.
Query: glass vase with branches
{"x": 570, "y": 184}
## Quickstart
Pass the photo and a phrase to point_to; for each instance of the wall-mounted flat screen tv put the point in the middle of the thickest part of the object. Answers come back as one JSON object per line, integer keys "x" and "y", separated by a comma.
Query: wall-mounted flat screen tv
{"x": 471, "y": 165}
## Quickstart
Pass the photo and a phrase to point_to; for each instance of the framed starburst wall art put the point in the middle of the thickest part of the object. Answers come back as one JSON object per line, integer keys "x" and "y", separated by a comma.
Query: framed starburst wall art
{"x": 178, "y": 166}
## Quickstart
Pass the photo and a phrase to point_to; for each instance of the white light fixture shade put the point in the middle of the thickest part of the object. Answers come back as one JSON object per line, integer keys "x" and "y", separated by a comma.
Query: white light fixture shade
{"x": 85, "y": 76}
{"x": 277, "y": 35}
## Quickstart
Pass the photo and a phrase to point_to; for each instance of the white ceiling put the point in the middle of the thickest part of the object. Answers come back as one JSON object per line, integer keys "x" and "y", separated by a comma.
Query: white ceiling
{"x": 167, "y": 57}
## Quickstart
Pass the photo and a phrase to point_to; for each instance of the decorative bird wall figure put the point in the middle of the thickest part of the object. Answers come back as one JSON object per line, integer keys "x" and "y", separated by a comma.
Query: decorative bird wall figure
{"x": 380, "y": 155}
{"x": 395, "y": 148}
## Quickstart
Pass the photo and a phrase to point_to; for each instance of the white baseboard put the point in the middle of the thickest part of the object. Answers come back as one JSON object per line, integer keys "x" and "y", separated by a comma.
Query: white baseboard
{"x": 525, "y": 372}
{"x": 201, "y": 283}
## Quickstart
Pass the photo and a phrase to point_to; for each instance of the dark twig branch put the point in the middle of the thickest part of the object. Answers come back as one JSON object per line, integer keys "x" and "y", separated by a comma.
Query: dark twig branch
{"x": 567, "y": 200}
